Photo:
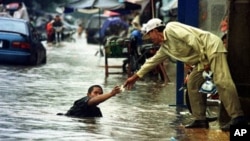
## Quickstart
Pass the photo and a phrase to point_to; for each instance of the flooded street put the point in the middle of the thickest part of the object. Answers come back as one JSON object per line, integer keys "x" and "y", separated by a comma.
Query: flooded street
{"x": 32, "y": 96}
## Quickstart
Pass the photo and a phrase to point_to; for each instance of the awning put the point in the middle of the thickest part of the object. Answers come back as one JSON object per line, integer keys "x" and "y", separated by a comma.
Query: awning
{"x": 113, "y": 5}
{"x": 128, "y": 6}
{"x": 89, "y": 4}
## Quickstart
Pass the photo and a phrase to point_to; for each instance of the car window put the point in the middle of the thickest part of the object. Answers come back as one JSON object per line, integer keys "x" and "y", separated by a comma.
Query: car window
{"x": 14, "y": 26}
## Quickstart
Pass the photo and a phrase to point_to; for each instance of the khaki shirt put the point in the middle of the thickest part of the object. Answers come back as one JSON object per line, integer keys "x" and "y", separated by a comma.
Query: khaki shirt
{"x": 187, "y": 44}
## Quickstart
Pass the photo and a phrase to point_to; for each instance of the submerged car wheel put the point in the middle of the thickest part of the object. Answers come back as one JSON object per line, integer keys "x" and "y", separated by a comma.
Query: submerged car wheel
{"x": 34, "y": 59}
{"x": 44, "y": 61}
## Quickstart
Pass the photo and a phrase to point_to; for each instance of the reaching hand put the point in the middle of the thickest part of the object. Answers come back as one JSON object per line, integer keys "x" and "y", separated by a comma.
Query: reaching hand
{"x": 115, "y": 90}
{"x": 131, "y": 81}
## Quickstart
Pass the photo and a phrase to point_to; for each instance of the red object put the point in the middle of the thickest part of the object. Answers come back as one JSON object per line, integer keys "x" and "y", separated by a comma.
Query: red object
{"x": 110, "y": 13}
{"x": 224, "y": 26}
{"x": 22, "y": 45}
{"x": 12, "y": 6}
{"x": 49, "y": 28}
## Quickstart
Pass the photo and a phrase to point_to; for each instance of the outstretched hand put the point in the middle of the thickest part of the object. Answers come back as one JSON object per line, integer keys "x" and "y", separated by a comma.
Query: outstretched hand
{"x": 115, "y": 90}
{"x": 129, "y": 83}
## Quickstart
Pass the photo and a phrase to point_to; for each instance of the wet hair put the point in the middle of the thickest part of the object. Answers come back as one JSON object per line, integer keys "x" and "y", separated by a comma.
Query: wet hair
{"x": 91, "y": 88}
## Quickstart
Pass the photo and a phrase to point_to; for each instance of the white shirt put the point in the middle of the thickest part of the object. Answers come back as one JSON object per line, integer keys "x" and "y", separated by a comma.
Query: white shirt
{"x": 21, "y": 13}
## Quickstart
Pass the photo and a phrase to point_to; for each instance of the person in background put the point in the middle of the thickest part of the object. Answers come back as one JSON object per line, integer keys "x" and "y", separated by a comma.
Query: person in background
{"x": 80, "y": 30}
{"x": 58, "y": 28}
{"x": 135, "y": 37}
{"x": 21, "y": 12}
{"x": 87, "y": 106}
{"x": 197, "y": 47}
{"x": 224, "y": 25}
{"x": 224, "y": 30}
{"x": 50, "y": 32}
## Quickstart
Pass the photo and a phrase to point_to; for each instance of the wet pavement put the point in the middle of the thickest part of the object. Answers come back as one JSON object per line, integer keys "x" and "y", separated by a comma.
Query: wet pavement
{"x": 30, "y": 98}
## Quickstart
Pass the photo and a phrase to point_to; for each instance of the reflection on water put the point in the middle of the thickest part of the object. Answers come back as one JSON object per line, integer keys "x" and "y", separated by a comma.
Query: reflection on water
{"x": 31, "y": 96}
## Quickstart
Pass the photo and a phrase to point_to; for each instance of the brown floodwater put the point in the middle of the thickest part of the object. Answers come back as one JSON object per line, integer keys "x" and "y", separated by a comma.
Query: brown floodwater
{"x": 31, "y": 97}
